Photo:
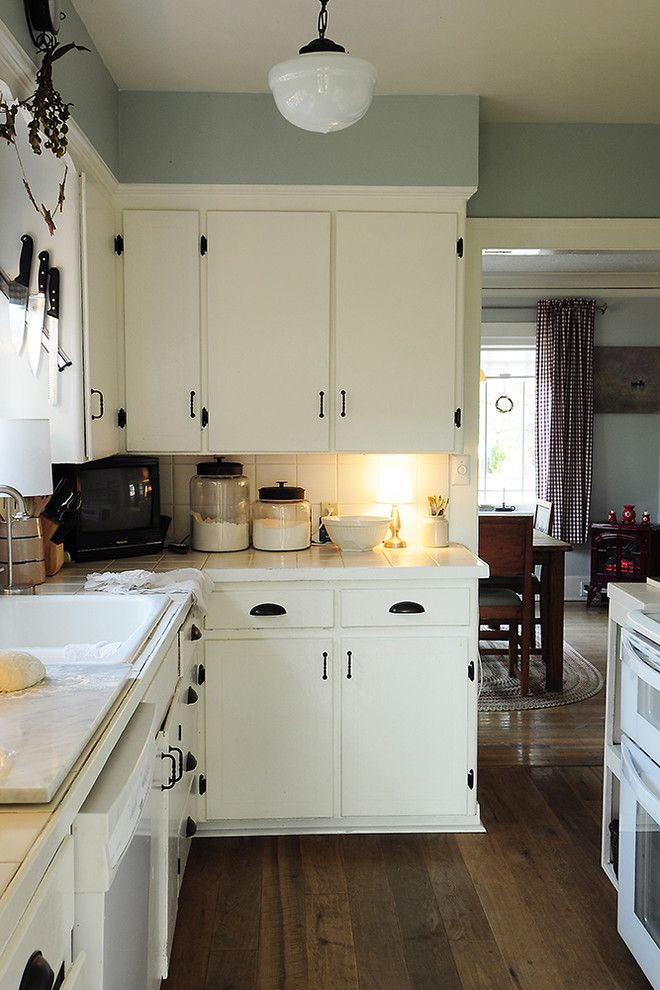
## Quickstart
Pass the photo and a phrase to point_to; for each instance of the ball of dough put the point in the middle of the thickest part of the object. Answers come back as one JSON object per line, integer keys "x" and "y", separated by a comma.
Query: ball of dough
{"x": 19, "y": 670}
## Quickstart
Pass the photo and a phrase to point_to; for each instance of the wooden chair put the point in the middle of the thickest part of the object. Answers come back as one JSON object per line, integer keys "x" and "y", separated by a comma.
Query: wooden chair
{"x": 505, "y": 543}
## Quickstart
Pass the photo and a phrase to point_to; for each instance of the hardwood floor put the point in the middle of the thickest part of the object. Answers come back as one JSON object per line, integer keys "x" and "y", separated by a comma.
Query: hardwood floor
{"x": 526, "y": 905}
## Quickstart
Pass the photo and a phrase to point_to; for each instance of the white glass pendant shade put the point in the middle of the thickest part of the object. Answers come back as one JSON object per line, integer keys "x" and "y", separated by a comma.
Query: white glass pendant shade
{"x": 323, "y": 91}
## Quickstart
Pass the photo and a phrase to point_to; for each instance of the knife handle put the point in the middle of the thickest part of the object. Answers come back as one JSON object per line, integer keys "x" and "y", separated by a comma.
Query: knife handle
{"x": 54, "y": 292}
{"x": 25, "y": 262}
{"x": 42, "y": 277}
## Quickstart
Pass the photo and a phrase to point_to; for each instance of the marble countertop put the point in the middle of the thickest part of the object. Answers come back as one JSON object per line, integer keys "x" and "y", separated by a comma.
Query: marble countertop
{"x": 319, "y": 563}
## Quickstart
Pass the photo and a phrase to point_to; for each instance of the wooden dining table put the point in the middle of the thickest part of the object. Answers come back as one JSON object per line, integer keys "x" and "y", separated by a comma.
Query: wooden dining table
{"x": 549, "y": 553}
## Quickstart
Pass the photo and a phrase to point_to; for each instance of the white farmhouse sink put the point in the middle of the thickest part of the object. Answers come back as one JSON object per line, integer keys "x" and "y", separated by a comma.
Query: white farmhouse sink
{"x": 45, "y": 624}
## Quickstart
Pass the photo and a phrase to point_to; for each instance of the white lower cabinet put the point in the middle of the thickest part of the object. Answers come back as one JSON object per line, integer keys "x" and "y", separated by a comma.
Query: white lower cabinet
{"x": 321, "y": 724}
{"x": 403, "y": 726}
{"x": 270, "y": 729}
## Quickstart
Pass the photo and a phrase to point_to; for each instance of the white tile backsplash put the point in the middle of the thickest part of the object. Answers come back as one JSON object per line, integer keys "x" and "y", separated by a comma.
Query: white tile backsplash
{"x": 349, "y": 479}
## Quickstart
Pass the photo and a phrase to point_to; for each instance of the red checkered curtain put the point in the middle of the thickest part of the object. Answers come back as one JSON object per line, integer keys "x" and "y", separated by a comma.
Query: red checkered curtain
{"x": 565, "y": 412}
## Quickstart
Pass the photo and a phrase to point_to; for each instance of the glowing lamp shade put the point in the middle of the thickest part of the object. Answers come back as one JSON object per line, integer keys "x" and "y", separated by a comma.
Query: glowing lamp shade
{"x": 323, "y": 92}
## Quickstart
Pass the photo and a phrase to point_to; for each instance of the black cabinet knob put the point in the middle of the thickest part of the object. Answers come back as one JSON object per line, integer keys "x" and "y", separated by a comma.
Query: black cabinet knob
{"x": 268, "y": 608}
{"x": 37, "y": 974}
{"x": 202, "y": 783}
{"x": 191, "y": 827}
{"x": 201, "y": 674}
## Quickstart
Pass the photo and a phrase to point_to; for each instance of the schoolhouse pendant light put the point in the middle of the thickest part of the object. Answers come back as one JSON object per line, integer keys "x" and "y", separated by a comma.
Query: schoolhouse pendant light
{"x": 324, "y": 89}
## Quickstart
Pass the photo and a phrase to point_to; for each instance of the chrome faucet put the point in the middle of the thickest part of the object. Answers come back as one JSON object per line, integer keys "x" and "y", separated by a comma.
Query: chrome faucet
{"x": 9, "y": 494}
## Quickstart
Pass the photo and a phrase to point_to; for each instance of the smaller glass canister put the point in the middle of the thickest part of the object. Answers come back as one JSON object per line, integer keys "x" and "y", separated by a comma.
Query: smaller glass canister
{"x": 281, "y": 519}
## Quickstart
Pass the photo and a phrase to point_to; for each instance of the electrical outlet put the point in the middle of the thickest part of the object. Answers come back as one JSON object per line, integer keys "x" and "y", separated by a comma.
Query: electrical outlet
{"x": 460, "y": 469}
{"x": 329, "y": 509}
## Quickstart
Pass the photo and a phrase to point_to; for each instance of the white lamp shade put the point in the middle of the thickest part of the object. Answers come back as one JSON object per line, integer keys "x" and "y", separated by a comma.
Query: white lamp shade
{"x": 25, "y": 456}
{"x": 394, "y": 487}
{"x": 323, "y": 92}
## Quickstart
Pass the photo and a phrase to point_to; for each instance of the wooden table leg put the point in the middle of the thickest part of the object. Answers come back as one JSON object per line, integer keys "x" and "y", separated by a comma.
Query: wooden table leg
{"x": 552, "y": 590}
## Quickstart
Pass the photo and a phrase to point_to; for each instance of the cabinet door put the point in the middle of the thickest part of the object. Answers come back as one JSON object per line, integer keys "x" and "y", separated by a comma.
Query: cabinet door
{"x": 268, "y": 336}
{"x": 395, "y": 331}
{"x": 162, "y": 327}
{"x": 404, "y": 725}
{"x": 269, "y": 729}
{"x": 99, "y": 320}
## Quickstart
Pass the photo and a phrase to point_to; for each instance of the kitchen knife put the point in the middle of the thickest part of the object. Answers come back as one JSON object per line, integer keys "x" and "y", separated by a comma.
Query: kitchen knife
{"x": 35, "y": 319}
{"x": 18, "y": 295}
{"x": 52, "y": 330}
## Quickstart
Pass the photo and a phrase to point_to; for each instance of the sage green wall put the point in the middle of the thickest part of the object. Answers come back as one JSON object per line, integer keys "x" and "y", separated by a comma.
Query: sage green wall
{"x": 241, "y": 138}
{"x": 82, "y": 78}
{"x": 568, "y": 170}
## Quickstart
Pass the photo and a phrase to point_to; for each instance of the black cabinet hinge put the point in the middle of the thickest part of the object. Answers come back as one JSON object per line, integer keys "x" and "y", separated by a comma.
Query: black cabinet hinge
{"x": 471, "y": 670}
{"x": 457, "y": 417}
{"x": 178, "y": 866}
{"x": 119, "y": 244}
{"x": 121, "y": 418}
{"x": 459, "y": 247}
{"x": 203, "y": 245}
{"x": 471, "y": 779}
{"x": 205, "y": 417}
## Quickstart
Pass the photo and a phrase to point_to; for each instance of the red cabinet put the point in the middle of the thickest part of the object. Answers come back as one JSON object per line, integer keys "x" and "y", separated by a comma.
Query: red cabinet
{"x": 622, "y": 553}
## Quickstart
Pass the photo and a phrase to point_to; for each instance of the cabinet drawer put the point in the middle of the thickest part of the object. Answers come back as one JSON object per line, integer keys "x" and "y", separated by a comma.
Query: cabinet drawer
{"x": 270, "y": 609}
{"x": 406, "y": 607}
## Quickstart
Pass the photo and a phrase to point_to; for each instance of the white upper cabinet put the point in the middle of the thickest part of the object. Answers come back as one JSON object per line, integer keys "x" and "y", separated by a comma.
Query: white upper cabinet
{"x": 99, "y": 297}
{"x": 162, "y": 330}
{"x": 268, "y": 330}
{"x": 395, "y": 331}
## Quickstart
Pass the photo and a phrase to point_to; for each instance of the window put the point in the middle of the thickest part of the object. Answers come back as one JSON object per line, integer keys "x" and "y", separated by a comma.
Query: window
{"x": 506, "y": 426}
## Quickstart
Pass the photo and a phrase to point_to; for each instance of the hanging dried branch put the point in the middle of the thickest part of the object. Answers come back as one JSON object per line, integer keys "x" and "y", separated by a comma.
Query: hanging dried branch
{"x": 48, "y": 126}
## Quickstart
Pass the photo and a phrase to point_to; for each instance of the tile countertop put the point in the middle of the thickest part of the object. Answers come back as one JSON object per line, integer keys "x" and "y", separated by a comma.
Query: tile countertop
{"x": 319, "y": 563}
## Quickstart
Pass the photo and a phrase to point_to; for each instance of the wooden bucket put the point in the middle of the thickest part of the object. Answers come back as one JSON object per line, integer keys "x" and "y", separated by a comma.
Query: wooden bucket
{"x": 27, "y": 553}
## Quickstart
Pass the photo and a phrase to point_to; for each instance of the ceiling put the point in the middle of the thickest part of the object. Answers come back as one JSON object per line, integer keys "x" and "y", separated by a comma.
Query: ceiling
{"x": 592, "y": 61}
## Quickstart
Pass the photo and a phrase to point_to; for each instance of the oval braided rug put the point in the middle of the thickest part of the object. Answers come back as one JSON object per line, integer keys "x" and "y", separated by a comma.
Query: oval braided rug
{"x": 501, "y": 693}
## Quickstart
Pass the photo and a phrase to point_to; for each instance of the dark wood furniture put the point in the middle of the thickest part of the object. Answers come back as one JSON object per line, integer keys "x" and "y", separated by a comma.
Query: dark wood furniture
{"x": 505, "y": 543}
{"x": 622, "y": 553}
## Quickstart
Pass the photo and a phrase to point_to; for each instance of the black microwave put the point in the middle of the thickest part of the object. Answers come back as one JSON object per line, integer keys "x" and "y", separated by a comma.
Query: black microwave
{"x": 120, "y": 507}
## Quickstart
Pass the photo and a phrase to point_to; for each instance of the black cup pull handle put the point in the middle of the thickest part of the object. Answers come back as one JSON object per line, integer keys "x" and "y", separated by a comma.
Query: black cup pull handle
{"x": 268, "y": 608}
{"x": 195, "y": 633}
{"x": 97, "y": 391}
{"x": 201, "y": 674}
{"x": 192, "y": 404}
{"x": 37, "y": 974}
{"x": 192, "y": 697}
{"x": 407, "y": 608}
{"x": 191, "y": 827}
{"x": 191, "y": 762}
{"x": 343, "y": 402}
{"x": 321, "y": 409}
{"x": 172, "y": 779}
{"x": 202, "y": 783}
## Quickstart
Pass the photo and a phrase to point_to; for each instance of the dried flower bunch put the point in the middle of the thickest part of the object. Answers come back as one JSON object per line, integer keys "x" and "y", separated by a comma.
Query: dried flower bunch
{"x": 48, "y": 126}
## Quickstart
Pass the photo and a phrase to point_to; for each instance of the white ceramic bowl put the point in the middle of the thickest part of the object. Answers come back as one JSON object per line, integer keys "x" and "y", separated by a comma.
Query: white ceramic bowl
{"x": 357, "y": 532}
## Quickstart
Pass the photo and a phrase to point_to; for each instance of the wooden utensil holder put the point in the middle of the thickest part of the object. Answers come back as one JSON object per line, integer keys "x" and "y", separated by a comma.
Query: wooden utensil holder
{"x": 53, "y": 552}
{"x": 27, "y": 553}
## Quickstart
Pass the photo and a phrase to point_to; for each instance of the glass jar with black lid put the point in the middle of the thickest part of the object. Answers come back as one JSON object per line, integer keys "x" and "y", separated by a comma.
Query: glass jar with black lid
{"x": 219, "y": 507}
{"x": 281, "y": 518}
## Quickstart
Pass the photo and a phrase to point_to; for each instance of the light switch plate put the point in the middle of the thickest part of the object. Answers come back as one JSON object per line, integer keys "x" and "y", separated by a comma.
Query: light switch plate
{"x": 460, "y": 469}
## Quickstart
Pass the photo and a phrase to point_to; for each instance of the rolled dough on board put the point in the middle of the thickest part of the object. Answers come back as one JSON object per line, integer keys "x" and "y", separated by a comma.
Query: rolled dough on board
{"x": 19, "y": 670}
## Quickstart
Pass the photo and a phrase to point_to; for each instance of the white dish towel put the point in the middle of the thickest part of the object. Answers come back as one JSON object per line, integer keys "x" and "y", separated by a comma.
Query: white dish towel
{"x": 185, "y": 580}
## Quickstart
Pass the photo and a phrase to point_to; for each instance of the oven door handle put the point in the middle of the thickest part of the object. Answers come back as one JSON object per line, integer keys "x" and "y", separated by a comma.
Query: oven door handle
{"x": 633, "y": 763}
{"x": 637, "y": 662}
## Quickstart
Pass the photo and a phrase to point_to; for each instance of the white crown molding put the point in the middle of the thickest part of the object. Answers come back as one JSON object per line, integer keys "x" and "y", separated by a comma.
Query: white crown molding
{"x": 303, "y": 197}
{"x": 18, "y": 70}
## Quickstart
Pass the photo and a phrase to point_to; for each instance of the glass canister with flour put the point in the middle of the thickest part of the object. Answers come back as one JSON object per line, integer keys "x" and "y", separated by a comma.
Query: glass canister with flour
{"x": 281, "y": 519}
{"x": 219, "y": 507}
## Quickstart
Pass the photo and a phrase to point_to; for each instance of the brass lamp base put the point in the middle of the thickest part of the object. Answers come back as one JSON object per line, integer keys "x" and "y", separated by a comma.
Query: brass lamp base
{"x": 394, "y": 542}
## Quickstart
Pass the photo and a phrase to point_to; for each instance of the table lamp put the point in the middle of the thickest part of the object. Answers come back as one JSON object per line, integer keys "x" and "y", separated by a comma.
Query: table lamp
{"x": 394, "y": 489}
{"x": 25, "y": 470}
